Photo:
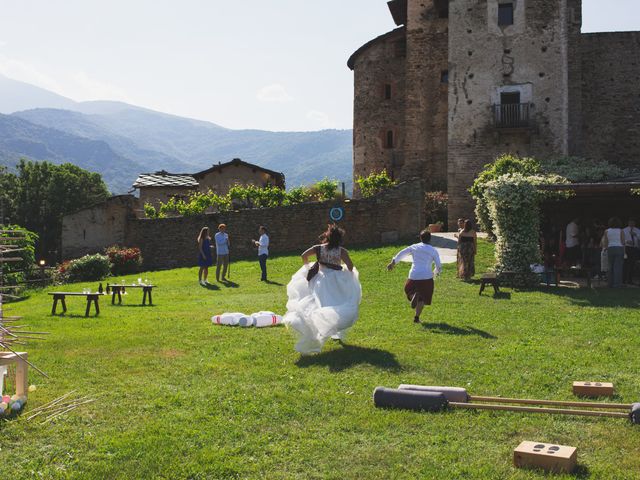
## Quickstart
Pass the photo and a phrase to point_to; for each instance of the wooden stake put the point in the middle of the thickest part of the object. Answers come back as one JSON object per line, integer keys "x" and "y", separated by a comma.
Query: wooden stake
{"x": 561, "y": 411}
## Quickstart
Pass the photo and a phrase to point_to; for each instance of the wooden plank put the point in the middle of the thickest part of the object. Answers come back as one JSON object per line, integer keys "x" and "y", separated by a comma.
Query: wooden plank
{"x": 77, "y": 294}
{"x": 549, "y": 457}
{"x": 593, "y": 389}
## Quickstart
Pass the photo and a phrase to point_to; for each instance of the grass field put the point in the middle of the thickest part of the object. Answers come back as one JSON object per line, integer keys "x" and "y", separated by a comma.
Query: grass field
{"x": 180, "y": 398}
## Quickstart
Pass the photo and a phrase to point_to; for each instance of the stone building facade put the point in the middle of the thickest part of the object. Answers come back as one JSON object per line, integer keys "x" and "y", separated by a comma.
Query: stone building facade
{"x": 462, "y": 81}
{"x": 161, "y": 186}
{"x": 92, "y": 229}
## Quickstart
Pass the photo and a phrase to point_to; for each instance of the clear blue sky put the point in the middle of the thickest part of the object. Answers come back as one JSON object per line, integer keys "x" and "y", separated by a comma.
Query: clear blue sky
{"x": 267, "y": 64}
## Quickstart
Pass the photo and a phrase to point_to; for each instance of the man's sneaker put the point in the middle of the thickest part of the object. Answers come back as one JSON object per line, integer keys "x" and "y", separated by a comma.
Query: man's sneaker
{"x": 416, "y": 319}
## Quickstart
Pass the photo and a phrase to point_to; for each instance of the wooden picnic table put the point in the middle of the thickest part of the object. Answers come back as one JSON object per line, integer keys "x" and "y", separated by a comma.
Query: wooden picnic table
{"x": 91, "y": 297}
{"x": 119, "y": 288}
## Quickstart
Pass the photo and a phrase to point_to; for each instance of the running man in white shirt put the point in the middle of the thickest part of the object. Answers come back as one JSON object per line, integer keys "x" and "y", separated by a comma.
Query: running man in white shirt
{"x": 419, "y": 286}
{"x": 222, "y": 252}
{"x": 263, "y": 251}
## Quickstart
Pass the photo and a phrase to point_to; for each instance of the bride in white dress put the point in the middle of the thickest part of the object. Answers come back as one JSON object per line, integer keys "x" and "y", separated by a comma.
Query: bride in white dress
{"x": 326, "y": 305}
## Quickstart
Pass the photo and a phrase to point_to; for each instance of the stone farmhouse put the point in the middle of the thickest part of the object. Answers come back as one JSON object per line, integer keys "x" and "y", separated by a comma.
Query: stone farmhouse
{"x": 161, "y": 186}
{"x": 462, "y": 81}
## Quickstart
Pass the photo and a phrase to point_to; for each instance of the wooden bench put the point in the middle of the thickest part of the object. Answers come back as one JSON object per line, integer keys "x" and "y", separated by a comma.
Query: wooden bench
{"x": 119, "y": 289}
{"x": 490, "y": 279}
{"x": 91, "y": 297}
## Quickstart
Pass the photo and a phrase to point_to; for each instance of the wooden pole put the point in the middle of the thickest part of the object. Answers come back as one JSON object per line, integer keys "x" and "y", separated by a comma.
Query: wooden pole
{"x": 621, "y": 406}
{"x": 560, "y": 411}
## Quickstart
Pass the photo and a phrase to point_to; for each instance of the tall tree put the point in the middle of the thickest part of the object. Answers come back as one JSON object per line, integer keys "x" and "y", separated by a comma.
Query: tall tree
{"x": 46, "y": 192}
{"x": 8, "y": 191}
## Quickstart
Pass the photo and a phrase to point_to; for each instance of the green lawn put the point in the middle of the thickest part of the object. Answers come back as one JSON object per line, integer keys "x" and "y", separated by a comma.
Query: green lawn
{"x": 181, "y": 398}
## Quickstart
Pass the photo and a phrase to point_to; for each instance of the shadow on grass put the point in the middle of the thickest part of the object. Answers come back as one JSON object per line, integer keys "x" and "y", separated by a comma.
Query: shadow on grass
{"x": 451, "y": 330}
{"x": 230, "y": 284}
{"x": 210, "y": 286}
{"x": 270, "y": 282}
{"x": 606, "y": 298}
{"x": 350, "y": 356}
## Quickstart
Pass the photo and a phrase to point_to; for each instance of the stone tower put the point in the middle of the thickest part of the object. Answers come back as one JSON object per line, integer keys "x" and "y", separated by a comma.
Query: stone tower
{"x": 460, "y": 82}
{"x": 512, "y": 86}
{"x": 400, "y": 97}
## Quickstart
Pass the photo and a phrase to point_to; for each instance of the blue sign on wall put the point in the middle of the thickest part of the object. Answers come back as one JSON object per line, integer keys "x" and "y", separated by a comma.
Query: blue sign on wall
{"x": 336, "y": 214}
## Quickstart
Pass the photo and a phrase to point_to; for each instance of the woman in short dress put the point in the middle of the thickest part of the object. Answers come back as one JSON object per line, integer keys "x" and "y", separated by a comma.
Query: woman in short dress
{"x": 205, "y": 259}
{"x": 467, "y": 248}
{"x": 325, "y": 304}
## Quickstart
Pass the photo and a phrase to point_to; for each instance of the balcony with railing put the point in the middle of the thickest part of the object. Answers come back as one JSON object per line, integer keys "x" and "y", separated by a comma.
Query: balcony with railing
{"x": 512, "y": 115}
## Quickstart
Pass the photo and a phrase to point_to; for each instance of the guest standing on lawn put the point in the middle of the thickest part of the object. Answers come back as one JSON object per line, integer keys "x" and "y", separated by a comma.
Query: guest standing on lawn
{"x": 205, "y": 259}
{"x": 467, "y": 249}
{"x": 263, "y": 251}
{"x": 613, "y": 243}
{"x": 222, "y": 252}
{"x": 419, "y": 286}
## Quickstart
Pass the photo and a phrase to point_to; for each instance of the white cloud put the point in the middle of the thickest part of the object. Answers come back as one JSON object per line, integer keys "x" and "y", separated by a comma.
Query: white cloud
{"x": 77, "y": 85}
{"x": 321, "y": 118}
{"x": 275, "y": 93}
{"x": 3, "y": 43}
{"x": 91, "y": 89}
{"x": 26, "y": 72}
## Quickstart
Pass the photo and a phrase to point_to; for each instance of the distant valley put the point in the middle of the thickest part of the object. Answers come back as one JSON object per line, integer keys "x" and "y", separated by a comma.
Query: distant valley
{"x": 120, "y": 141}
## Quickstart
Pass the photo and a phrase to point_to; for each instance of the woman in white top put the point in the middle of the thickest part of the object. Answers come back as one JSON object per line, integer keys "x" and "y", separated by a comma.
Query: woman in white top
{"x": 419, "y": 286}
{"x": 324, "y": 298}
{"x": 613, "y": 242}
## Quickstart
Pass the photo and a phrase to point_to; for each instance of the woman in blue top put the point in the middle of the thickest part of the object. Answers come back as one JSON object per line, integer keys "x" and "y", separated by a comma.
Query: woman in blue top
{"x": 205, "y": 259}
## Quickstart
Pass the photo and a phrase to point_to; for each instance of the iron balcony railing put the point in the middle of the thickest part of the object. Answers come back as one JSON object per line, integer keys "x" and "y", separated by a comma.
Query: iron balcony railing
{"x": 512, "y": 115}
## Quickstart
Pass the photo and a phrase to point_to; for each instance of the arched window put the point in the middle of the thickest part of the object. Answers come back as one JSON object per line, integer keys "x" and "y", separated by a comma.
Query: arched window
{"x": 389, "y": 139}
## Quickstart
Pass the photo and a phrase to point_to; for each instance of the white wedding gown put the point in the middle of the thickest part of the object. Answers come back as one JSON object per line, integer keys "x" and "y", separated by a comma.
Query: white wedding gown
{"x": 327, "y": 306}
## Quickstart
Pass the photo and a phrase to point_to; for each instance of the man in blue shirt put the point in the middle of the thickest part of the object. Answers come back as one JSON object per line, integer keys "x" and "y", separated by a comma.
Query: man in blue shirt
{"x": 222, "y": 251}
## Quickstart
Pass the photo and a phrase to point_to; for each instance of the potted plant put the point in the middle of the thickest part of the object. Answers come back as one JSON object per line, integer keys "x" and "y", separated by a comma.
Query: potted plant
{"x": 435, "y": 227}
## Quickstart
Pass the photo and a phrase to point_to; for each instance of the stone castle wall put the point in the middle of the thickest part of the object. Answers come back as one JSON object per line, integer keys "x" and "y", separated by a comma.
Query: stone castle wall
{"x": 611, "y": 97}
{"x": 531, "y": 57}
{"x": 374, "y": 115}
{"x": 396, "y": 214}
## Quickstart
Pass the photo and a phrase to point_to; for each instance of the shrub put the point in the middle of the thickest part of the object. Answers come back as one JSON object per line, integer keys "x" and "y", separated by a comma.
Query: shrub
{"x": 124, "y": 260}
{"x": 87, "y": 268}
{"x": 150, "y": 211}
{"x": 435, "y": 206}
{"x": 375, "y": 183}
{"x": 503, "y": 165}
{"x": 298, "y": 195}
{"x": 325, "y": 189}
{"x": 577, "y": 169}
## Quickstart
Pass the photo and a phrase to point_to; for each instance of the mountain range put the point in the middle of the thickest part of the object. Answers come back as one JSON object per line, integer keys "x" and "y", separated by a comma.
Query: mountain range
{"x": 120, "y": 141}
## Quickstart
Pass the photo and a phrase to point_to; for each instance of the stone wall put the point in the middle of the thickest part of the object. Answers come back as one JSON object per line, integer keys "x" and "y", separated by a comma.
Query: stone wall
{"x": 610, "y": 97}
{"x": 157, "y": 195}
{"x": 397, "y": 214}
{"x": 92, "y": 229}
{"x": 485, "y": 59}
